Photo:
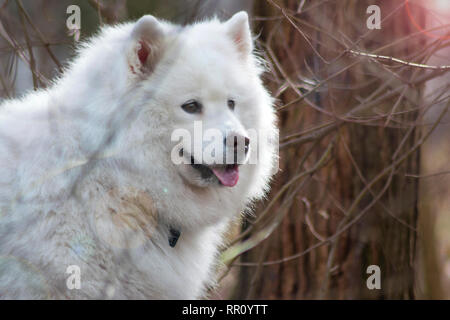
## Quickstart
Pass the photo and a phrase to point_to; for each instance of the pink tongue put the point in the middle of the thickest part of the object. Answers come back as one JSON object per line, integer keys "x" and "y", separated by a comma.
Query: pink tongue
{"x": 228, "y": 176}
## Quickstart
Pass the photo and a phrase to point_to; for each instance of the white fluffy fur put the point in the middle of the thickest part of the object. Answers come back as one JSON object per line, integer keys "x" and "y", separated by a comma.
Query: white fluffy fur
{"x": 96, "y": 146}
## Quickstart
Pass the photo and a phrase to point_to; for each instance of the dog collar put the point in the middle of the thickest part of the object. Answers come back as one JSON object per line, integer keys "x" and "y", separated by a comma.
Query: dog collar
{"x": 174, "y": 234}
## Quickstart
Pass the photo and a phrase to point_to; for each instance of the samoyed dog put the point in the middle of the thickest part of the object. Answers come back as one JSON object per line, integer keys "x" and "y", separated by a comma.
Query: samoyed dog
{"x": 109, "y": 186}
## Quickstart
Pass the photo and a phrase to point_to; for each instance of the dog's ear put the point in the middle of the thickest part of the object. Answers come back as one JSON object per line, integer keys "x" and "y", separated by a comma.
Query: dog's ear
{"x": 146, "y": 42}
{"x": 238, "y": 29}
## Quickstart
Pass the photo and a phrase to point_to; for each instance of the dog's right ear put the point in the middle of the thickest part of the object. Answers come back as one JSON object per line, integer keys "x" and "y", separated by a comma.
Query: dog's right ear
{"x": 238, "y": 29}
{"x": 146, "y": 43}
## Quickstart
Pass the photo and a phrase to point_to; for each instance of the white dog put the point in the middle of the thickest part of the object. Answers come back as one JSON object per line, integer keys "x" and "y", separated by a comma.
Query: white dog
{"x": 100, "y": 197}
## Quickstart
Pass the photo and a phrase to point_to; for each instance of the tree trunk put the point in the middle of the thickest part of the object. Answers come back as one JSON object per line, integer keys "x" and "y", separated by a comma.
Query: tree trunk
{"x": 333, "y": 221}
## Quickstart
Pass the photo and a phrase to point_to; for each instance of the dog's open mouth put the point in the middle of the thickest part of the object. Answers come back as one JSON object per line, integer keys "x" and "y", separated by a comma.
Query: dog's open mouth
{"x": 228, "y": 175}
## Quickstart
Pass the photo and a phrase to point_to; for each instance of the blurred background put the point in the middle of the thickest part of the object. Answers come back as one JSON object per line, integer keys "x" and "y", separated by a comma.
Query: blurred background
{"x": 364, "y": 137}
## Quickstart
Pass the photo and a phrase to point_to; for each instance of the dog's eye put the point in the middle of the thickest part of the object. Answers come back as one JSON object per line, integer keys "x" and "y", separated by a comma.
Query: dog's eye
{"x": 231, "y": 104}
{"x": 192, "y": 106}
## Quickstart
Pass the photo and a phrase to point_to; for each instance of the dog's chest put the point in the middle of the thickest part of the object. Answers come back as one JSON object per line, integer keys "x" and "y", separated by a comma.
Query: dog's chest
{"x": 155, "y": 270}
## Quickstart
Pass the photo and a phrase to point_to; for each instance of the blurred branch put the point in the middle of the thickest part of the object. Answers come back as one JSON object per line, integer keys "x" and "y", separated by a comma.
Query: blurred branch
{"x": 111, "y": 12}
{"x": 4, "y": 34}
{"x": 407, "y": 63}
{"x": 44, "y": 41}
{"x": 30, "y": 49}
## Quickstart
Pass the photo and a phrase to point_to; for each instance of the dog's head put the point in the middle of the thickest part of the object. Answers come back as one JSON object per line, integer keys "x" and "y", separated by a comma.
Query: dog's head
{"x": 204, "y": 78}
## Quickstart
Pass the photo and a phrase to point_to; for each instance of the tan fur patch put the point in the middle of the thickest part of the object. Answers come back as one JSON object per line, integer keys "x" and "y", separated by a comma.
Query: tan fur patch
{"x": 129, "y": 220}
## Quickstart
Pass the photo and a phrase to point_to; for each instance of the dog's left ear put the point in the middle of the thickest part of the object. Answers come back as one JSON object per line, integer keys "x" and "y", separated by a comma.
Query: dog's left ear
{"x": 146, "y": 45}
{"x": 239, "y": 29}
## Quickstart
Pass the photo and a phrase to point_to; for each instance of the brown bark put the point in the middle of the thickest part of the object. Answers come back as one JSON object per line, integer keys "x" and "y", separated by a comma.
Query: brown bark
{"x": 385, "y": 235}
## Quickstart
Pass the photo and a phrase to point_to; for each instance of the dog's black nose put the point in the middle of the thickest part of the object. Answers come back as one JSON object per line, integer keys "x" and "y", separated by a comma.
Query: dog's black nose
{"x": 236, "y": 144}
{"x": 246, "y": 144}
